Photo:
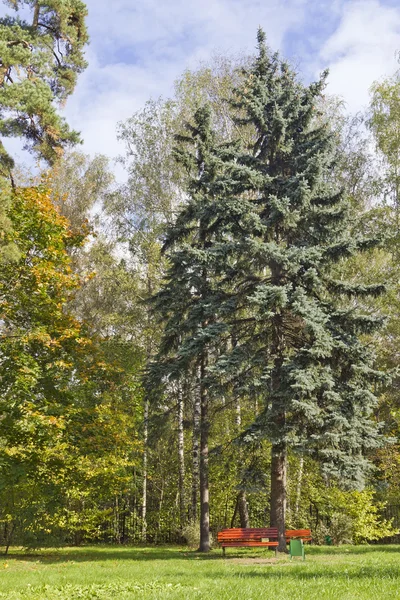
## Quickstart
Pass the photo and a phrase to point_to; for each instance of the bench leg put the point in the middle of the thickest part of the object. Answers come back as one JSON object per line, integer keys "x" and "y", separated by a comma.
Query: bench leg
{"x": 223, "y": 551}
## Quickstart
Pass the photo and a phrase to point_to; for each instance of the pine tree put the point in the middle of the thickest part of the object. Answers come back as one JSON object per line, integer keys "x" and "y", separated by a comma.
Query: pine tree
{"x": 299, "y": 346}
{"x": 40, "y": 60}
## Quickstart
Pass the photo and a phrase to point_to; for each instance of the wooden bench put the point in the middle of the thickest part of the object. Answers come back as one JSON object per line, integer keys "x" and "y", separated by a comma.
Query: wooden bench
{"x": 258, "y": 536}
{"x": 248, "y": 537}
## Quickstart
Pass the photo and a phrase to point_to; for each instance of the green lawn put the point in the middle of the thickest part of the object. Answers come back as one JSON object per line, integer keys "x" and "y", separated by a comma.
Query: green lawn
{"x": 104, "y": 573}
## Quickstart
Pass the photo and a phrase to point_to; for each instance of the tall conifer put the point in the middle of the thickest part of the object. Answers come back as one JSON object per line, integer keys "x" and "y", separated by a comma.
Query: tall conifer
{"x": 254, "y": 295}
{"x": 300, "y": 344}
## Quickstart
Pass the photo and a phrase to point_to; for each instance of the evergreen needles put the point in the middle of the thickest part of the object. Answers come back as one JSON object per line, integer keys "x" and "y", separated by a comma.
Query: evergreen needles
{"x": 252, "y": 300}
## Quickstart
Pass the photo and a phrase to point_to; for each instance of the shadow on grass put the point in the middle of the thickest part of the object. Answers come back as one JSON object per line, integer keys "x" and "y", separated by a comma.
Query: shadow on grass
{"x": 147, "y": 554}
{"x": 105, "y": 553}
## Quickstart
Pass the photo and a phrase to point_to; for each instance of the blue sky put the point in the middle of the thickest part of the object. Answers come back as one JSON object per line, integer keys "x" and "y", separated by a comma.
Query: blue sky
{"x": 139, "y": 47}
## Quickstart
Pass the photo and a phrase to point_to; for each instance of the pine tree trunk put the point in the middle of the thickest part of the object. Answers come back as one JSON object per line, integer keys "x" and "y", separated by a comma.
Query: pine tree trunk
{"x": 8, "y": 540}
{"x": 145, "y": 457}
{"x": 181, "y": 458}
{"x": 195, "y": 455}
{"x": 278, "y": 492}
{"x": 243, "y": 509}
{"x": 204, "y": 490}
{"x": 235, "y": 513}
{"x": 278, "y": 450}
{"x": 298, "y": 489}
{"x": 36, "y": 12}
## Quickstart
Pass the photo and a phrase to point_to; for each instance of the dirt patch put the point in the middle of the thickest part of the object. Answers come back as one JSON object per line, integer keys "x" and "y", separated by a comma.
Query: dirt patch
{"x": 258, "y": 561}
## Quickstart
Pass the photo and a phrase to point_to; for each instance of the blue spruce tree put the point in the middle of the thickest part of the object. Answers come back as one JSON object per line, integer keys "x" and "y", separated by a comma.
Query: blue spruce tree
{"x": 299, "y": 344}
{"x": 254, "y": 299}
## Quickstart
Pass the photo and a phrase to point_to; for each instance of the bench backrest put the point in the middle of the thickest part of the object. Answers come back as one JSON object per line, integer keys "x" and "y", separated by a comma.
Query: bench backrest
{"x": 298, "y": 533}
{"x": 247, "y": 534}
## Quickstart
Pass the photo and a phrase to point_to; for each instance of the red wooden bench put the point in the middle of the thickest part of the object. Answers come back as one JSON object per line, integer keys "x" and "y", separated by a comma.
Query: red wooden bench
{"x": 248, "y": 537}
{"x": 257, "y": 536}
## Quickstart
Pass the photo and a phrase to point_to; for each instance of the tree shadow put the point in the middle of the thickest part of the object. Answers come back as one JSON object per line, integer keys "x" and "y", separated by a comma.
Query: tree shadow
{"x": 106, "y": 553}
{"x": 160, "y": 553}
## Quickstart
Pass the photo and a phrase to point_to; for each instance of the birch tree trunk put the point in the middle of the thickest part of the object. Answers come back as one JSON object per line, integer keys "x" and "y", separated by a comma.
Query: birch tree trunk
{"x": 149, "y": 353}
{"x": 145, "y": 459}
{"x": 160, "y": 507}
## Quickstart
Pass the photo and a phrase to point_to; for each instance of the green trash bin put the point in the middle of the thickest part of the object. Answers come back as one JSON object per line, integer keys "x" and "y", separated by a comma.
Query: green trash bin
{"x": 296, "y": 548}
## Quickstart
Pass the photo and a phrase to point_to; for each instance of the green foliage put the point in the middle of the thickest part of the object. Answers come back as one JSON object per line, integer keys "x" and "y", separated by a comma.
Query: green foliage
{"x": 8, "y": 249}
{"x": 79, "y": 185}
{"x": 62, "y": 402}
{"x": 152, "y": 192}
{"x": 384, "y": 120}
{"x": 363, "y": 510}
{"x": 347, "y": 516}
{"x": 266, "y": 288}
{"x": 341, "y": 529}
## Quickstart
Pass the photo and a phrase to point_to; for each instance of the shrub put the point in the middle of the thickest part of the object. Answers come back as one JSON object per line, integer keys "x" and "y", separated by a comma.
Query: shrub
{"x": 320, "y": 533}
{"x": 341, "y": 529}
{"x": 191, "y": 534}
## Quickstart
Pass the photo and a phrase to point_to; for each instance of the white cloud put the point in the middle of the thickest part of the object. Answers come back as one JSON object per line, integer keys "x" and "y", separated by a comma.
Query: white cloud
{"x": 139, "y": 48}
{"x": 105, "y": 95}
{"x": 211, "y": 22}
{"x": 361, "y": 50}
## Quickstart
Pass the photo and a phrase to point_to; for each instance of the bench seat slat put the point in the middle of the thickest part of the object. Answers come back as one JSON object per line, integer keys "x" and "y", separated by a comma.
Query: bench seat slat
{"x": 247, "y": 533}
{"x": 232, "y": 536}
{"x": 251, "y": 529}
{"x": 237, "y": 544}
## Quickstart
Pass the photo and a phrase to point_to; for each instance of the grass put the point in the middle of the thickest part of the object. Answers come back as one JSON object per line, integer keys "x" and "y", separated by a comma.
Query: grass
{"x": 110, "y": 573}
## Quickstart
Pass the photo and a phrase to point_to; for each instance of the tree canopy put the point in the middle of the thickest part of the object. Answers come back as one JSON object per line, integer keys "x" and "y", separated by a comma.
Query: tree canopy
{"x": 215, "y": 341}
